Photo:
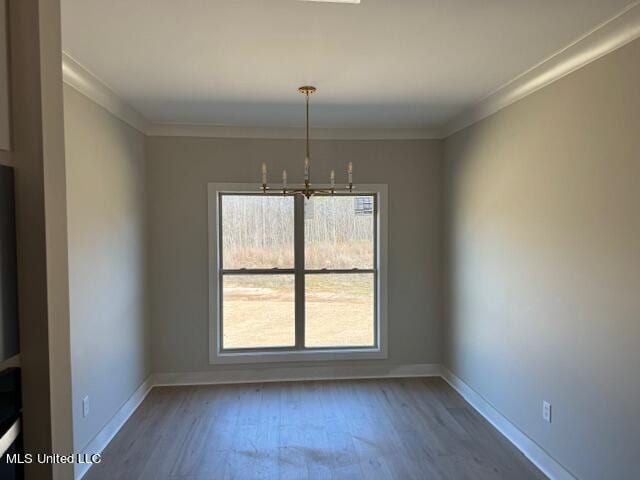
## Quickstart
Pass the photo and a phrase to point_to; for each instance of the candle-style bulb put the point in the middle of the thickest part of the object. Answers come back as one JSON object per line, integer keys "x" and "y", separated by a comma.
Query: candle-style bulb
{"x": 284, "y": 179}
{"x": 350, "y": 172}
{"x": 306, "y": 169}
{"x": 264, "y": 173}
{"x": 333, "y": 179}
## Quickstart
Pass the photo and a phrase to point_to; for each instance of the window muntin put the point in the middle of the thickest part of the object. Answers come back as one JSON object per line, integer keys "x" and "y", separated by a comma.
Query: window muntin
{"x": 330, "y": 299}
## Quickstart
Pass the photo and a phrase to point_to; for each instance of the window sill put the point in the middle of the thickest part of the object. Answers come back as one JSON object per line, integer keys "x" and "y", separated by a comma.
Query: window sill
{"x": 298, "y": 356}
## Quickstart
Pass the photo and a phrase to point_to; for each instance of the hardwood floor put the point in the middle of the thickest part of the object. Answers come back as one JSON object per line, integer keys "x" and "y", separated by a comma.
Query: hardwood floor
{"x": 350, "y": 429}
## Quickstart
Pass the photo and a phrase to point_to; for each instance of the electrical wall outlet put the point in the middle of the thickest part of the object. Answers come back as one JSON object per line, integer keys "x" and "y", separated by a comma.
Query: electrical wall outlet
{"x": 546, "y": 411}
{"x": 85, "y": 406}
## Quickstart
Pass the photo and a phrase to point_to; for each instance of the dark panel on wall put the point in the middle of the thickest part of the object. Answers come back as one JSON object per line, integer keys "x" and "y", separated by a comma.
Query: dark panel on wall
{"x": 9, "y": 342}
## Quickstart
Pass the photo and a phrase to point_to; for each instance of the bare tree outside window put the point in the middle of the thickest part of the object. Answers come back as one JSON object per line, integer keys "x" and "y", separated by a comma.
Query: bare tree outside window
{"x": 259, "y": 272}
{"x": 338, "y": 237}
{"x": 257, "y": 231}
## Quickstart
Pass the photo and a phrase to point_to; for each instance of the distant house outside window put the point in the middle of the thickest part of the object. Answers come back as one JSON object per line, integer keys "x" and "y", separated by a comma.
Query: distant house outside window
{"x": 363, "y": 205}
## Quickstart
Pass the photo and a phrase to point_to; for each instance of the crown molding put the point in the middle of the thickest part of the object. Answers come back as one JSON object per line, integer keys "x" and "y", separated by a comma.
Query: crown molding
{"x": 607, "y": 37}
{"x": 78, "y": 77}
{"x": 222, "y": 131}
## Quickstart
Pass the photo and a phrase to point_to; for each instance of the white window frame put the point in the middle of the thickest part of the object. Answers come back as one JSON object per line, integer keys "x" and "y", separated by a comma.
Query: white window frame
{"x": 217, "y": 356}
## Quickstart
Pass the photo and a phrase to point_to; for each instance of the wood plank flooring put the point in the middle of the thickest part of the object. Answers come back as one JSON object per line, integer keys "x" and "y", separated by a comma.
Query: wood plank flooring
{"x": 348, "y": 429}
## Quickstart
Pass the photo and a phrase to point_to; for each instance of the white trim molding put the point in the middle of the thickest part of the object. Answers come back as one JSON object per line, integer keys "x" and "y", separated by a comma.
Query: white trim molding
{"x": 607, "y": 37}
{"x": 90, "y": 85}
{"x": 113, "y": 426}
{"x": 296, "y": 374}
{"x": 7, "y": 439}
{"x": 530, "y": 449}
{"x": 218, "y": 356}
{"x": 222, "y": 131}
{"x": 267, "y": 374}
{"x": 77, "y": 76}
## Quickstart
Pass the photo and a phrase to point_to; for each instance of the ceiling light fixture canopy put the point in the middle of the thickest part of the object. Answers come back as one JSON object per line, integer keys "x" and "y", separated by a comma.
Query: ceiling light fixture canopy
{"x": 307, "y": 190}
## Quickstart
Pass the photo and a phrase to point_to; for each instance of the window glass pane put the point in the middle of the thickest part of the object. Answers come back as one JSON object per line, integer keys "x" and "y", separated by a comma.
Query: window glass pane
{"x": 339, "y": 310}
{"x": 258, "y": 311}
{"x": 257, "y": 231}
{"x": 339, "y": 232}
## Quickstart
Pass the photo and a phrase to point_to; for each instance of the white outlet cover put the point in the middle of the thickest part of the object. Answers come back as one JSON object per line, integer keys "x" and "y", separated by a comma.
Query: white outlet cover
{"x": 546, "y": 411}
{"x": 85, "y": 406}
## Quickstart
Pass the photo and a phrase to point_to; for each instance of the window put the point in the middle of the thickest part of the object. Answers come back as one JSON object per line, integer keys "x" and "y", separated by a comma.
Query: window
{"x": 257, "y": 278}
{"x": 294, "y": 277}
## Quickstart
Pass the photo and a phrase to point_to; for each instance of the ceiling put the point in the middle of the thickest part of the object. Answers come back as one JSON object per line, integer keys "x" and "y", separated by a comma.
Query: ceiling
{"x": 380, "y": 64}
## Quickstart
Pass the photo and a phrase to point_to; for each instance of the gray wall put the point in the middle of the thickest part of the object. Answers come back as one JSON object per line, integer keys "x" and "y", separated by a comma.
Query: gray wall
{"x": 544, "y": 235}
{"x": 179, "y": 169}
{"x": 110, "y": 350}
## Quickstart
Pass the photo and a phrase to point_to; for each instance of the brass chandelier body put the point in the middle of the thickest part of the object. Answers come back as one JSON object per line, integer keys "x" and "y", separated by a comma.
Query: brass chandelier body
{"x": 307, "y": 190}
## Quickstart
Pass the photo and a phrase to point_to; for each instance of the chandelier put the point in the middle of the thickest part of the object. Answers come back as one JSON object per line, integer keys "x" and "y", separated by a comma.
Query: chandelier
{"x": 307, "y": 190}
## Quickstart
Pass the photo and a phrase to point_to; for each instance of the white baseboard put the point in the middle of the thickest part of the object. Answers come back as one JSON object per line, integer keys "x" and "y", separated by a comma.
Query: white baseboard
{"x": 536, "y": 454}
{"x": 244, "y": 375}
{"x": 290, "y": 374}
{"x": 113, "y": 426}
